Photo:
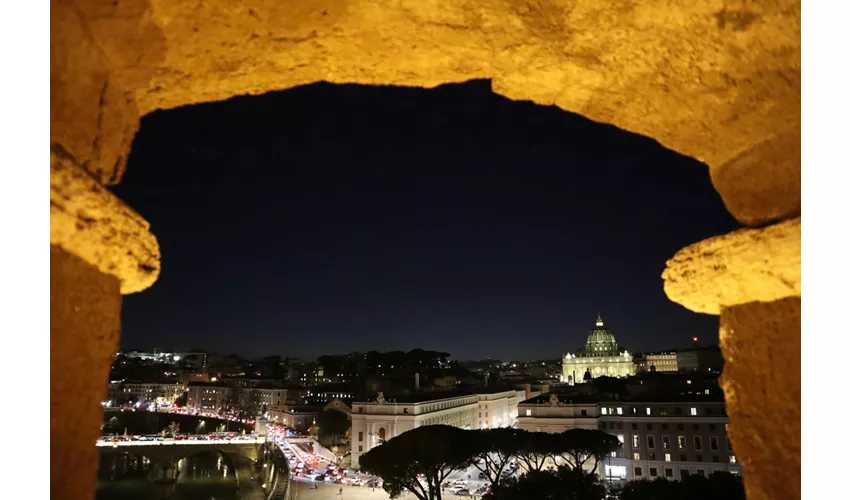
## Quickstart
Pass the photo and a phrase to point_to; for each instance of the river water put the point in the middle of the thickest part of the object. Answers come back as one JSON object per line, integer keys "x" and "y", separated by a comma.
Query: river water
{"x": 205, "y": 476}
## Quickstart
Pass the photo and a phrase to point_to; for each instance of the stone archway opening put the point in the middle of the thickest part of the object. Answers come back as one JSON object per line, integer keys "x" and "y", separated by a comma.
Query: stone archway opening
{"x": 716, "y": 81}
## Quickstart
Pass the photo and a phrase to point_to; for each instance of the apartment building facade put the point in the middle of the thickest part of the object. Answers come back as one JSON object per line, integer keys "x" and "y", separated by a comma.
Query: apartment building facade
{"x": 209, "y": 397}
{"x": 158, "y": 393}
{"x": 671, "y": 439}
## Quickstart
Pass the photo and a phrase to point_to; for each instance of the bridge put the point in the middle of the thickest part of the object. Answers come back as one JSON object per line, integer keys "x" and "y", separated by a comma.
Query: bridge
{"x": 170, "y": 451}
{"x": 166, "y": 453}
{"x": 265, "y": 461}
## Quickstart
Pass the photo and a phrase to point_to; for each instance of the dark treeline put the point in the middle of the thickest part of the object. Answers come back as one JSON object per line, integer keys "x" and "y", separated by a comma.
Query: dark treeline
{"x": 559, "y": 466}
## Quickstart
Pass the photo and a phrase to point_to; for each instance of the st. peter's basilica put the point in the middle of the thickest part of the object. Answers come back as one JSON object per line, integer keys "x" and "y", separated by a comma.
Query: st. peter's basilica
{"x": 600, "y": 357}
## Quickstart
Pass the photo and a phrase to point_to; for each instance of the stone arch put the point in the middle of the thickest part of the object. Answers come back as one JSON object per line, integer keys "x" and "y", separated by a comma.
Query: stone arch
{"x": 175, "y": 453}
{"x": 716, "y": 80}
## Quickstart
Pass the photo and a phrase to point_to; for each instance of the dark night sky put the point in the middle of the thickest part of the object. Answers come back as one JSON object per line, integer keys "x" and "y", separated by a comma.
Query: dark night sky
{"x": 327, "y": 219}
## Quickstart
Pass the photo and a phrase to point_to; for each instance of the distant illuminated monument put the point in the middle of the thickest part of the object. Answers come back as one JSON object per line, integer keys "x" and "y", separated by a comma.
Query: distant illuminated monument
{"x": 600, "y": 357}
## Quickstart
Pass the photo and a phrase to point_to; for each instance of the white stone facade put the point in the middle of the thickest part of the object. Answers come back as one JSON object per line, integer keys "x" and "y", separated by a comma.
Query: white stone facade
{"x": 375, "y": 422}
{"x": 600, "y": 357}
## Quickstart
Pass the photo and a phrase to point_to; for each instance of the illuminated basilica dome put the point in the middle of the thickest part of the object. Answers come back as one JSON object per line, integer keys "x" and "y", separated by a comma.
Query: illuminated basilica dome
{"x": 600, "y": 357}
{"x": 601, "y": 342}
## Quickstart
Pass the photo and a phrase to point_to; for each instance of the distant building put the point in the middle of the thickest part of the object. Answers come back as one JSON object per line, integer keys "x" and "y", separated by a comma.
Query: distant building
{"x": 327, "y": 392}
{"x": 656, "y": 362}
{"x": 209, "y": 397}
{"x": 372, "y": 423}
{"x": 548, "y": 413}
{"x": 249, "y": 382}
{"x": 447, "y": 381}
{"x": 600, "y": 357}
{"x": 707, "y": 359}
{"x": 295, "y": 416}
{"x": 340, "y": 406}
{"x": 306, "y": 374}
{"x": 269, "y": 397}
{"x": 113, "y": 393}
{"x": 186, "y": 377}
{"x": 670, "y": 437}
{"x": 160, "y": 393}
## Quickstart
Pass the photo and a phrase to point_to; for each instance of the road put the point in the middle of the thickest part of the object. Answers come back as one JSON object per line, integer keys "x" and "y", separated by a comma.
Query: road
{"x": 303, "y": 490}
{"x": 308, "y": 489}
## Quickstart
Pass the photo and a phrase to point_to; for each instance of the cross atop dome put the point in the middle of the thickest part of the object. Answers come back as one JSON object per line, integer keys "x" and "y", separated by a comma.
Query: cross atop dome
{"x": 599, "y": 320}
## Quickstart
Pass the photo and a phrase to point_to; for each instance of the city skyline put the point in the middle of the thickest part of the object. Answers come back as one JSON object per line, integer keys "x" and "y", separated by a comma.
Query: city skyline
{"x": 352, "y": 218}
{"x": 690, "y": 342}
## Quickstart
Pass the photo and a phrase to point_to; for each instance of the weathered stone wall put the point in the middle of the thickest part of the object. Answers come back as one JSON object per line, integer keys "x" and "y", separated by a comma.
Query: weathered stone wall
{"x": 761, "y": 380}
{"x": 85, "y": 316}
{"x": 718, "y": 80}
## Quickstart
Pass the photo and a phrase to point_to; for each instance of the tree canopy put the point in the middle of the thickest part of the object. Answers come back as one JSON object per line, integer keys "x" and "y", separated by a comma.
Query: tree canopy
{"x": 419, "y": 460}
{"x": 533, "y": 449}
{"x": 578, "y": 446}
{"x": 695, "y": 487}
{"x": 561, "y": 484}
{"x": 493, "y": 449}
{"x": 333, "y": 426}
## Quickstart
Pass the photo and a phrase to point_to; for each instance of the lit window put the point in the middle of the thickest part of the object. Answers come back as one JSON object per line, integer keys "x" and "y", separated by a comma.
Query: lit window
{"x": 693, "y": 411}
{"x": 604, "y": 411}
{"x": 732, "y": 459}
{"x": 648, "y": 411}
{"x": 666, "y": 457}
{"x": 619, "y": 410}
{"x": 637, "y": 456}
{"x": 681, "y": 442}
{"x": 527, "y": 413}
{"x": 621, "y": 438}
{"x": 613, "y": 454}
{"x": 635, "y": 441}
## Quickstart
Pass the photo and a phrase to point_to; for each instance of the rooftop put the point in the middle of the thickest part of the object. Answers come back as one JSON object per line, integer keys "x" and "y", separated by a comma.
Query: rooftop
{"x": 714, "y": 396}
{"x": 437, "y": 395}
{"x": 564, "y": 399}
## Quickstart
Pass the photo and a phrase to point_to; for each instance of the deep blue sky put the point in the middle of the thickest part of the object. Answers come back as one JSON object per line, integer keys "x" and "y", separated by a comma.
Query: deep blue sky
{"x": 328, "y": 218}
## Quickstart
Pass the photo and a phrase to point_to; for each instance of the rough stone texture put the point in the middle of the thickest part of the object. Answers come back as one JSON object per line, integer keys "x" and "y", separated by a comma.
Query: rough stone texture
{"x": 718, "y": 80}
{"x": 85, "y": 308}
{"x": 87, "y": 220}
{"x": 711, "y": 79}
{"x": 761, "y": 380}
{"x": 100, "y": 52}
{"x": 743, "y": 266}
{"x": 762, "y": 184}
